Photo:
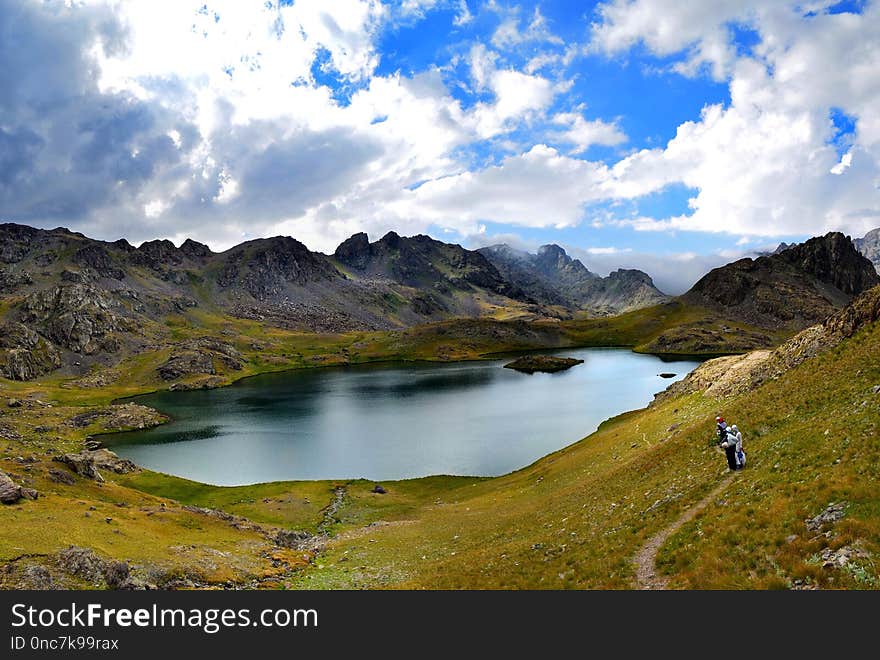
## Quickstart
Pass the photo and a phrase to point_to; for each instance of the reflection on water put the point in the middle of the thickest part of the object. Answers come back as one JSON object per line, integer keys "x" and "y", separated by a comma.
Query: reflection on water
{"x": 390, "y": 421}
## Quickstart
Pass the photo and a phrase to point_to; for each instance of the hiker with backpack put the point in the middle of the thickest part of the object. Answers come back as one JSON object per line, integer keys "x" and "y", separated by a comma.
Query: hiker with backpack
{"x": 721, "y": 429}
{"x": 740, "y": 454}
{"x": 729, "y": 447}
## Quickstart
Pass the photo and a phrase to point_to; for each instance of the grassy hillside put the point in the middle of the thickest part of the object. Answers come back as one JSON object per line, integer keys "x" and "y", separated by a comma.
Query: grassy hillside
{"x": 573, "y": 519}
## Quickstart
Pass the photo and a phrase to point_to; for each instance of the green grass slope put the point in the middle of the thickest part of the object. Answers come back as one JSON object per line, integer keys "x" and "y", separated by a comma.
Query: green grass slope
{"x": 577, "y": 518}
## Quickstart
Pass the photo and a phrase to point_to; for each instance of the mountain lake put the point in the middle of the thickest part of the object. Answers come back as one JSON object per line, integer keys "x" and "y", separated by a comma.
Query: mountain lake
{"x": 392, "y": 420}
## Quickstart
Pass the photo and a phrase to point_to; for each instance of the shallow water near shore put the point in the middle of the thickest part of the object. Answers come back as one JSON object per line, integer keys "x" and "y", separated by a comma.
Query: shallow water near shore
{"x": 391, "y": 421}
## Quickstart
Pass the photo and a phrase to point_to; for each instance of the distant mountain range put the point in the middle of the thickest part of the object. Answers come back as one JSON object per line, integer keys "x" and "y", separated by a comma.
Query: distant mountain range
{"x": 72, "y": 302}
{"x": 554, "y": 278}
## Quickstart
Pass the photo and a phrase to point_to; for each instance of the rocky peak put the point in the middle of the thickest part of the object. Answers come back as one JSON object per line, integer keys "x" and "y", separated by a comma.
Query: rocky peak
{"x": 195, "y": 250}
{"x": 553, "y": 261}
{"x": 631, "y": 275}
{"x": 795, "y": 288}
{"x": 833, "y": 259}
{"x": 265, "y": 266}
{"x": 354, "y": 251}
{"x": 392, "y": 240}
{"x": 159, "y": 252}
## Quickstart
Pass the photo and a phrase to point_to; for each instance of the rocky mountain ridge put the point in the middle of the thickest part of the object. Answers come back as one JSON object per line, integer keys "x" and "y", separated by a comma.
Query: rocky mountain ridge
{"x": 552, "y": 277}
{"x": 794, "y": 288}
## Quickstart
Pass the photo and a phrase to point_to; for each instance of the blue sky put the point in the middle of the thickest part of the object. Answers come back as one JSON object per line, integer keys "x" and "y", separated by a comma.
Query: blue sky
{"x": 639, "y": 133}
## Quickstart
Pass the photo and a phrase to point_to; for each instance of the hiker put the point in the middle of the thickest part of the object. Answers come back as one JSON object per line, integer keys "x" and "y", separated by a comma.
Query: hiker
{"x": 740, "y": 454}
{"x": 729, "y": 446}
{"x": 722, "y": 429}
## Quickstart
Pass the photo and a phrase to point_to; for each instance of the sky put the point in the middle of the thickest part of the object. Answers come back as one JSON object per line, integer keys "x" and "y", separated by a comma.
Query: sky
{"x": 658, "y": 134}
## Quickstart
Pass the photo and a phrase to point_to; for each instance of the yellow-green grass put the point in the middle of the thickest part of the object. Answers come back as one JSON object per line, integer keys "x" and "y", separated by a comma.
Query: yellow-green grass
{"x": 578, "y": 517}
{"x": 573, "y": 519}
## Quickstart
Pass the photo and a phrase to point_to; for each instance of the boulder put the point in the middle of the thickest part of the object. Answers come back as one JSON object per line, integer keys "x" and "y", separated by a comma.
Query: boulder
{"x": 186, "y": 363}
{"x": 87, "y": 463}
{"x": 10, "y": 492}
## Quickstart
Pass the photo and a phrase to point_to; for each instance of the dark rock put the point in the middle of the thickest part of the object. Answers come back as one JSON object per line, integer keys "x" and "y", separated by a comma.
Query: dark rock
{"x": 266, "y": 267}
{"x": 797, "y": 287}
{"x": 29, "y": 493}
{"x": 667, "y": 374}
{"x": 117, "y": 574}
{"x": 13, "y": 403}
{"x": 97, "y": 258}
{"x": 354, "y": 251}
{"x": 61, "y": 477}
{"x": 379, "y": 489}
{"x": 529, "y": 364}
{"x": 195, "y": 250}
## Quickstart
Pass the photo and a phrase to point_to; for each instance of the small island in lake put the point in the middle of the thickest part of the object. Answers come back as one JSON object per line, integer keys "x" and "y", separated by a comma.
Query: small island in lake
{"x": 529, "y": 364}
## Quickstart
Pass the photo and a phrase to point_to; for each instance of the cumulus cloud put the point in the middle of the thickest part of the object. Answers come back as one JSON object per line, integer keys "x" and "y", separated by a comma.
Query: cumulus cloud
{"x": 583, "y": 133}
{"x": 216, "y": 120}
{"x": 765, "y": 164}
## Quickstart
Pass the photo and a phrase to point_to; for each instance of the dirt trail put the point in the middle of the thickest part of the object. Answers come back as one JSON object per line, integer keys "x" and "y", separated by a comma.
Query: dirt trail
{"x": 646, "y": 558}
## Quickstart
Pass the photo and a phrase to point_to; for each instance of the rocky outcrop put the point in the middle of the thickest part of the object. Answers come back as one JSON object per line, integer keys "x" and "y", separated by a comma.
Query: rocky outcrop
{"x": 120, "y": 417}
{"x": 354, "y": 251}
{"x": 24, "y": 355}
{"x": 200, "y": 356}
{"x": 97, "y": 258}
{"x": 12, "y": 280}
{"x": 735, "y": 374}
{"x": 795, "y": 288}
{"x": 79, "y": 317}
{"x": 186, "y": 363}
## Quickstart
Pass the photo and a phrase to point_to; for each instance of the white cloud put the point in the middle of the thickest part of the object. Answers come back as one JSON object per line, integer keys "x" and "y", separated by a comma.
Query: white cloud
{"x": 509, "y": 35}
{"x": 607, "y": 250}
{"x": 765, "y": 165}
{"x": 583, "y": 133}
{"x": 540, "y": 188}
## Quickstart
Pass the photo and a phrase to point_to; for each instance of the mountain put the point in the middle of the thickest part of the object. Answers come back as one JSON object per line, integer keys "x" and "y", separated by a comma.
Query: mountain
{"x": 869, "y": 246}
{"x": 552, "y": 277}
{"x": 791, "y": 289}
{"x": 69, "y": 301}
